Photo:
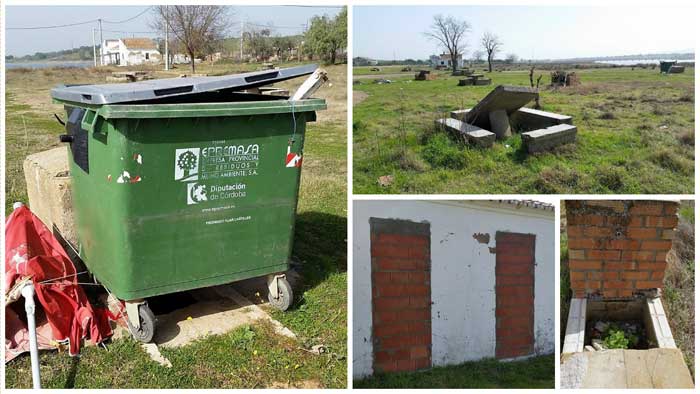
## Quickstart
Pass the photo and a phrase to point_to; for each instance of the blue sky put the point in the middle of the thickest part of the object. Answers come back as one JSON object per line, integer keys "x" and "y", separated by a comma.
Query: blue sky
{"x": 23, "y": 42}
{"x": 531, "y": 32}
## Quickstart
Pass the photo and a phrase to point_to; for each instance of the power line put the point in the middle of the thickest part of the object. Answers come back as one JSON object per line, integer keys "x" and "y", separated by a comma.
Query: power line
{"x": 78, "y": 23}
{"x": 129, "y": 19}
{"x": 51, "y": 27}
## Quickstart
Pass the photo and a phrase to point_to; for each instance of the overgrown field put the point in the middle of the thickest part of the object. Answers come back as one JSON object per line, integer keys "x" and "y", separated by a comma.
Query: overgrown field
{"x": 537, "y": 372}
{"x": 252, "y": 356}
{"x": 635, "y": 135}
{"x": 678, "y": 294}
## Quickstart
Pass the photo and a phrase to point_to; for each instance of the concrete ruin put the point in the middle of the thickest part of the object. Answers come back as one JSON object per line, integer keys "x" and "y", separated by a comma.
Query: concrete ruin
{"x": 501, "y": 113}
{"x": 670, "y": 67}
{"x": 617, "y": 259}
{"x": 474, "y": 80}
{"x": 425, "y": 75}
{"x": 563, "y": 78}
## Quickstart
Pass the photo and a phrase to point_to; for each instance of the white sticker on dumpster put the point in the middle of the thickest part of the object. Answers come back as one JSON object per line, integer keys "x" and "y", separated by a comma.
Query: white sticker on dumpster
{"x": 187, "y": 164}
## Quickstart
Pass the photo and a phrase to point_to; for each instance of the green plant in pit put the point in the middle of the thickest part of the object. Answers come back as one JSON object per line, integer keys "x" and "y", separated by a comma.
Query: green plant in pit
{"x": 615, "y": 339}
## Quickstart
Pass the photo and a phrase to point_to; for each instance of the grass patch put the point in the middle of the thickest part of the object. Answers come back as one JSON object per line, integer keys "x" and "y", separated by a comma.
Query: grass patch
{"x": 537, "y": 372}
{"x": 635, "y": 136}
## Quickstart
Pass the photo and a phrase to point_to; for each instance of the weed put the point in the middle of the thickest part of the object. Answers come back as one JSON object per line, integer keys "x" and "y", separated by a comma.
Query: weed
{"x": 440, "y": 151}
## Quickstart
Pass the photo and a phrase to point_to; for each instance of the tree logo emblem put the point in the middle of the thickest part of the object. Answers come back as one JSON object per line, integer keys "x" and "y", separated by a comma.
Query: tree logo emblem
{"x": 186, "y": 164}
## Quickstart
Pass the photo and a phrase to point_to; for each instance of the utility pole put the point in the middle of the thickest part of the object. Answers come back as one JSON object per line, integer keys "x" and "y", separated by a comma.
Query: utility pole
{"x": 167, "y": 27}
{"x": 241, "y": 41}
{"x": 102, "y": 44}
{"x": 94, "y": 48}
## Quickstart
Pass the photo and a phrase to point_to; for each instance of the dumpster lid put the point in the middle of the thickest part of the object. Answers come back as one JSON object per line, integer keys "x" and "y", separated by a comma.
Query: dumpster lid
{"x": 150, "y": 90}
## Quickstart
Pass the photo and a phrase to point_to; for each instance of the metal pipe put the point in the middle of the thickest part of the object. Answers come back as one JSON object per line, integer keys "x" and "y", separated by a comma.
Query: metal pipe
{"x": 29, "y": 307}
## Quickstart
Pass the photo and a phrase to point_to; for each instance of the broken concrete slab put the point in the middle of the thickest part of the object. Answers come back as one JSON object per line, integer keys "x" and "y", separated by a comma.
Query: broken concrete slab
{"x": 49, "y": 190}
{"x": 500, "y": 123}
{"x": 505, "y": 97}
{"x": 618, "y": 368}
{"x": 537, "y": 119}
{"x": 575, "y": 326}
{"x": 543, "y": 139}
{"x": 425, "y": 75}
{"x": 467, "y": 133}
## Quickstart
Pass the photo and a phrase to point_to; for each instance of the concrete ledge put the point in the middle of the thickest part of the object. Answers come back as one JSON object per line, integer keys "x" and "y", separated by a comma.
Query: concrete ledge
{"x": 657, "y": 325}
{"x": 468, "y": 133}
{"x": 543, "y": 139}
{"x": 575, "y": 326}
{"x": 460, "y": 114}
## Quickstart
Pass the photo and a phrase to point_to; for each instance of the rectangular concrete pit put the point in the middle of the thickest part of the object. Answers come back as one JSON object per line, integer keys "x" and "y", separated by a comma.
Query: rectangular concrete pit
{"x": 49, "y": 191}
{"x": 503, "y": 97}
{"x": 467, "y": 133}
{"x": 544, "y": 139}
{"x": 649, "y": 310}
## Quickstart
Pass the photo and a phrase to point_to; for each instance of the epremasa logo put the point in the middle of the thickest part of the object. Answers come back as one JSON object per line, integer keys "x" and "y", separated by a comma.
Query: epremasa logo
{"x": 187, "y": 164}
{"x": 196, "y": 193}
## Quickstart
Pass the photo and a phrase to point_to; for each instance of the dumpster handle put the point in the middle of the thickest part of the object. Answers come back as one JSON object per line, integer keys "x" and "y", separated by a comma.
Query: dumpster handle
{"x": 87, "y": 123}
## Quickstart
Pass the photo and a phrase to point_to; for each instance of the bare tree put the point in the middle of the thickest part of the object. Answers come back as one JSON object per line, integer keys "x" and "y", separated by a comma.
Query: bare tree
{"x": 536, "y": 86}
{"x": 478, "y": 56}
{"x": 196, "y": 27}
{"x": 492, "y": 45}
{"x": 450, "y": 33}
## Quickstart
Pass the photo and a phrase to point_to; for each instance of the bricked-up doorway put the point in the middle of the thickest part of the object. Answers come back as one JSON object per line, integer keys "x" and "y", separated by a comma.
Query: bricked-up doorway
{"x": 515, "y": 294}
{"x": 401, "y": 329}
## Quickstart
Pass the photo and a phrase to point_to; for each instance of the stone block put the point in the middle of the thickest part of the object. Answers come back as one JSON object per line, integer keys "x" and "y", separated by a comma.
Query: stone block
{"x": 49, "y": 191}
{"x": 543, "y": 139}
{"x": 460, "y": 114}
{"x": 482, "y": 81}
{"x": 466, "y": 82}
{"x": 467, "y": 133}
{"x": 500, "y": 123}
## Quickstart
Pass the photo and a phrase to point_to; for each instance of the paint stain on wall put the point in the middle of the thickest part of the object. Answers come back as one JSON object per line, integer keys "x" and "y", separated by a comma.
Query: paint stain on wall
{"x": 482, "y": 238}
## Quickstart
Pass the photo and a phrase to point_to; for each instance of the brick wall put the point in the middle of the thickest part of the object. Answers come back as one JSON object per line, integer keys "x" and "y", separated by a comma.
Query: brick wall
{"x": 400, "y": 252}
{"x": 618, "y": 249}
{"x": 515, "y": 294}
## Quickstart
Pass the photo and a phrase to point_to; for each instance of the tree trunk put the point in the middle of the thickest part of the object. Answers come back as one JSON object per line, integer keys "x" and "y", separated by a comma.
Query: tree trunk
{"x": 332, "y": 57}
{"x": 454, "y": 62}
{"x": 191, "y": 60}
{"x": 489, "y": 59}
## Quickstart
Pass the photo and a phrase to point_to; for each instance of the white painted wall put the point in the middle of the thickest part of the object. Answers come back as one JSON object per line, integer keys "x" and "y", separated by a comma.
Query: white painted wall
{"x": 463, "y": 276}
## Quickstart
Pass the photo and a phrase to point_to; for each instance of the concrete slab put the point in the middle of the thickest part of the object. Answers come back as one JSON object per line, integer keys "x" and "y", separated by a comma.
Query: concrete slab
{"x": 482, "y": 81}
{"x": 543, "y": 139}
{"x": 503, "y": 97}
{"x": 532, "y": 119}
{"x": 657, "y": 324}
{"x": 468, "y": 133}
{"x": 48, "y": 188}
{"x": 611, "y": 369}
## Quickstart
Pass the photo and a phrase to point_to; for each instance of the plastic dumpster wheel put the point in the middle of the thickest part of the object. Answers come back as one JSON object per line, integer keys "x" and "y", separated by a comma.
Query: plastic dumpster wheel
{"x": 148, "y": 325}
{"x": 285, "y": 296}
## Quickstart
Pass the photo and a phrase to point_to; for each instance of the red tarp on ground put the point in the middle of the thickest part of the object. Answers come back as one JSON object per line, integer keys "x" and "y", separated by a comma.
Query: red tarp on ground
{"x": 31, "y": 251}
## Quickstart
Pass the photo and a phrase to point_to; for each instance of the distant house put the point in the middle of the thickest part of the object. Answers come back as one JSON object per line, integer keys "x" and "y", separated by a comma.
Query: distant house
{"x": 130, "y": 52}
{"x": 444, "y": 60}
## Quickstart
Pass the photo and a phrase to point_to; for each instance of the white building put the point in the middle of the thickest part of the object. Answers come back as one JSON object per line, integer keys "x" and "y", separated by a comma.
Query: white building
{"x": 467, "y": 280}
{"x": 444, "y": 60}
{"x": 130, "y": 52}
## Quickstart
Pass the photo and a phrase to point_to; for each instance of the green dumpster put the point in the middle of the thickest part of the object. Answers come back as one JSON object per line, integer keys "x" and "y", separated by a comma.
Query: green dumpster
{"x": 185, "y": 183}
{"x": 665, "y": 67}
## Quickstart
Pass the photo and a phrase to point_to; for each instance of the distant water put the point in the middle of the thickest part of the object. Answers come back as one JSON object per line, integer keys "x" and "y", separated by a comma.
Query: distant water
{"x": 75, "y": 64}
{"x": 632, "y": 62}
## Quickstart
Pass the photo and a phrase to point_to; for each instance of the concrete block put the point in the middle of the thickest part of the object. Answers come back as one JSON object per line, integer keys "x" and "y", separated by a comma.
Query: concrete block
{"x": 500, "y": 123}
{"x": 468, "y": 133}
{"x": 49, "y": 191}
{"x": 482, "y": 81}
{"x": 532, "y": 119}
{"x": 543, "y": 139}
{"x": 460, "y": 114}
{"x": 466, "y": 82}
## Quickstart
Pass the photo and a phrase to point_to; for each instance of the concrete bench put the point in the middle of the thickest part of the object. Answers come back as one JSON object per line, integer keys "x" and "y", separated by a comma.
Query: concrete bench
{"x": 468, "y": 133}
{"x": 547, "y": 138}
